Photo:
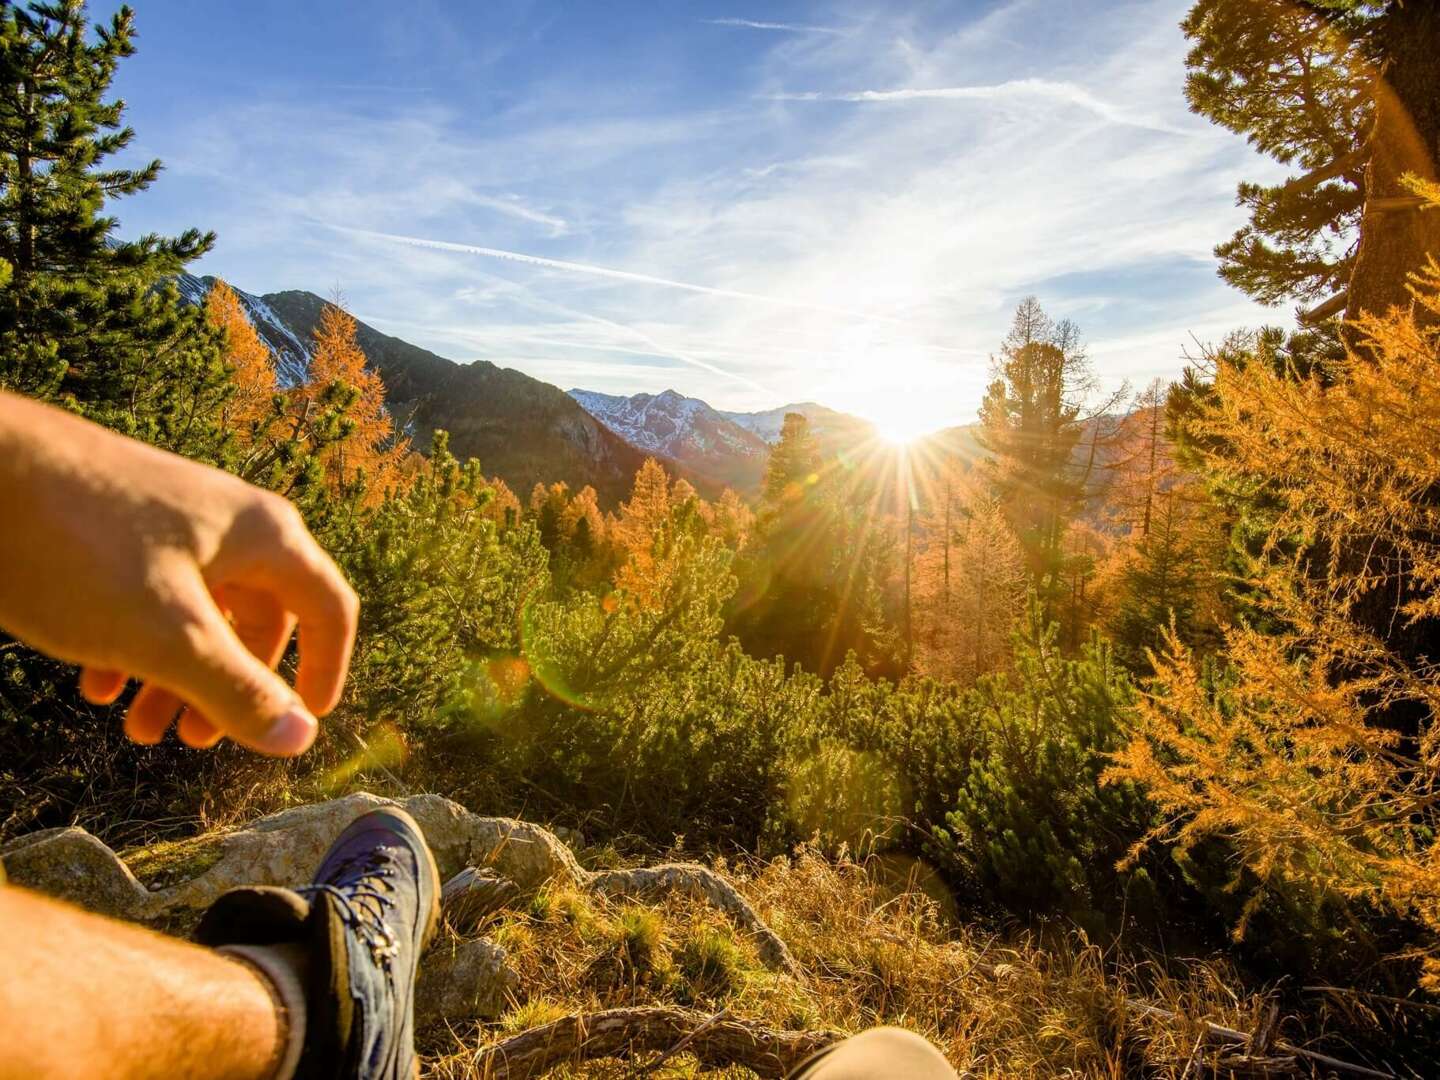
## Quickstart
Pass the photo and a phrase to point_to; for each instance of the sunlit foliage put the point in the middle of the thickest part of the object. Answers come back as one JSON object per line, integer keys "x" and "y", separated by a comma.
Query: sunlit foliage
{"x": 1318, "y": 759}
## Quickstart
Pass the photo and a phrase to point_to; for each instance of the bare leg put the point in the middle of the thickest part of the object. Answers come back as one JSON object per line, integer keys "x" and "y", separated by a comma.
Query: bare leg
{"x": 82, "y": 995}
{"x": 885, "y": 1053}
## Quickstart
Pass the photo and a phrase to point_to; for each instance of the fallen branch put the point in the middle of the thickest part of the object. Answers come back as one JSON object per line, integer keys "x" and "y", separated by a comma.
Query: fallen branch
{"x": 654, "y": 883}
{"x": 1217, "y": 1034}
{"x": 625, "y": 1032}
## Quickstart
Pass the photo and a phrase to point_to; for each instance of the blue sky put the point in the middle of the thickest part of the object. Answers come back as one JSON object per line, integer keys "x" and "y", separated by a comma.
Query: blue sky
{"x": 753, "y": 204}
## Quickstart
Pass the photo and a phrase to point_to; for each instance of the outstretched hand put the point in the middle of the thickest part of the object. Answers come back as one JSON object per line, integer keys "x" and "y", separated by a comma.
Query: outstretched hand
{"x": 136, "y": 563}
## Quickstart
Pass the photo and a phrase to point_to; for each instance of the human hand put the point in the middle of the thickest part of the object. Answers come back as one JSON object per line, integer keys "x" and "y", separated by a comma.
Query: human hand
{"x": 137, "y": 563}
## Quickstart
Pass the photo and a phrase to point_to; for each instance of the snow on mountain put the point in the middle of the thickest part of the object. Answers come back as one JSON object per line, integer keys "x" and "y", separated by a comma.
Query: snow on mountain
{"x": 524, "y": 431}
{"x": 823, "y": 421}
{"x": 685, "y": 429}
{"x": 726, "y": 447}
{"x": 291, "y": 356}
{"x": 668, "y": 423}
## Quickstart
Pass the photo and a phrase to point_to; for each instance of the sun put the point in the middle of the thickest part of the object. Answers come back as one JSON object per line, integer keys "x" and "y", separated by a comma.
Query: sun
{"x": 897, "y": 434}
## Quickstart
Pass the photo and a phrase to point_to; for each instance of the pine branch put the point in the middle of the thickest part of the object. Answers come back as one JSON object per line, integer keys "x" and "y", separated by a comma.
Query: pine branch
{"x": 1313, "y": 179}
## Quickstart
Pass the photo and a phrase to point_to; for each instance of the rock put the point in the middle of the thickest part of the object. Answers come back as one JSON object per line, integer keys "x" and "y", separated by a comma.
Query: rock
{"x": 463, "y": 980}
{"x": 285, "y": 848}
{"x": 72, "y": 865}
{"x": 503, "y": 859}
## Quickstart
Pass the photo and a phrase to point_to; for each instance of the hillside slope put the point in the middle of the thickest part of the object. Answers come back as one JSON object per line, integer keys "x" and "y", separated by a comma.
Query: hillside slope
{"x": 522, "y": 429}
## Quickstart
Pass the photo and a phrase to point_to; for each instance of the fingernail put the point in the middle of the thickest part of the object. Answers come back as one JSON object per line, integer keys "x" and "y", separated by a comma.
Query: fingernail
{"x": 290, "y": 735}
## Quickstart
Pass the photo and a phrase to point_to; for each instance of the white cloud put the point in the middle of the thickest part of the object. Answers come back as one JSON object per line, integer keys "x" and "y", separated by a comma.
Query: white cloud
{"x": 755, "y": 251}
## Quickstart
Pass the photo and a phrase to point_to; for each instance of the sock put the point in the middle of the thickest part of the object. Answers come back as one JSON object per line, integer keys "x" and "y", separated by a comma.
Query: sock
{"x": 282, "y": 969}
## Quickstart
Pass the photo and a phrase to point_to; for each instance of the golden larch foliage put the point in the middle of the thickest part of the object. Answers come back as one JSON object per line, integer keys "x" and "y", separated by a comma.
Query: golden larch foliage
{"x": 969, "y": 587}
{"x": 370, "y": 448}
{"x": 252, "y": 373}
{"x": 1318, "y": 757}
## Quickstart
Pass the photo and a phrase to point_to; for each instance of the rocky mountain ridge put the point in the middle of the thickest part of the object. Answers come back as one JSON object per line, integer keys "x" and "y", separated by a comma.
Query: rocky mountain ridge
{"x": 728, "y": 448}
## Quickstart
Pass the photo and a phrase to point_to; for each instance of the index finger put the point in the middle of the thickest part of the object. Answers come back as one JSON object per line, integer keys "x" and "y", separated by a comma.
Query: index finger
{"x": 312, "y": 587}
{"x": 305, "y": 581}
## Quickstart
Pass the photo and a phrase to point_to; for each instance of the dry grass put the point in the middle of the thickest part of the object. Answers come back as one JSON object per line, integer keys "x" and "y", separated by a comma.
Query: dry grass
{"x": 998, "y": 1007}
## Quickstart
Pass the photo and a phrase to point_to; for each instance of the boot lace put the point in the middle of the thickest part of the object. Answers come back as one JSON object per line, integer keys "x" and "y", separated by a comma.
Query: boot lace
{"x": 363, "y": 901}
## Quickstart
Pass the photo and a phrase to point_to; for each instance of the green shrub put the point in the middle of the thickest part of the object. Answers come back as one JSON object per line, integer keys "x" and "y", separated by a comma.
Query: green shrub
{"x": 1031, "y": 821}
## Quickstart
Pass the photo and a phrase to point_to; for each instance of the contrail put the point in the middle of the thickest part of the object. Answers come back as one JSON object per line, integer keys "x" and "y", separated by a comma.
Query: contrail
{"x": 794, "y": 28}
{"x": 607, "y": 272}
{"x": 654, "y": 348}
{"x": 1065, "y": 92}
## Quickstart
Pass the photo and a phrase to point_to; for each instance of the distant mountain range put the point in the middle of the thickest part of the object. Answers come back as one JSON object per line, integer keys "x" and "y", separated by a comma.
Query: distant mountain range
{"x": 728, "y": 449}
{"x": 527, "y": 431}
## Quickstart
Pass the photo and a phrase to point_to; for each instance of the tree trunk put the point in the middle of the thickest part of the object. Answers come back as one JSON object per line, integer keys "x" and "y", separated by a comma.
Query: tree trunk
{"x": 1405, "y": 139}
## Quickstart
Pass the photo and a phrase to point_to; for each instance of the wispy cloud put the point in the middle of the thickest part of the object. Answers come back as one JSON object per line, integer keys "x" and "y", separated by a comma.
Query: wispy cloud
{"x": 791, "y": 28}
{"x": 512, "y": 206}
{"x": 608, "y": 272}
{"x": 1045, "y": 90}
{"x": 644, "y": 226}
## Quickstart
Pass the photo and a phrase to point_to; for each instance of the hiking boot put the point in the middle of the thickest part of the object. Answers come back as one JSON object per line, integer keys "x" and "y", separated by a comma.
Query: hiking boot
{"x": 364, "y": 922}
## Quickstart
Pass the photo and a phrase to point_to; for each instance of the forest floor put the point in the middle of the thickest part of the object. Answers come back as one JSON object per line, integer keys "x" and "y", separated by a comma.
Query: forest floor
{"x": 561, "y": 959}
{"x": 998, "y": 1005}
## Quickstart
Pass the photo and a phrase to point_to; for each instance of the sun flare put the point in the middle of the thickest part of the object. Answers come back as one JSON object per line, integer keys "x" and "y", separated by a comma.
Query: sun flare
{"x": 896, "y": 435}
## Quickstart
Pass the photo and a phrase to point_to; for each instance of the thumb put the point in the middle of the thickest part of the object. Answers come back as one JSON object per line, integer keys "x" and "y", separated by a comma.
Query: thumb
{"x": 240, "y": 696}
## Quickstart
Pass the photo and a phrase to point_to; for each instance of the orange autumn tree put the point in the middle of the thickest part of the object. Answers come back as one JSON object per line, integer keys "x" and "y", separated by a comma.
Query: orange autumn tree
{"x": 969, "y": 585}
{"x": 642, "y": 532}
{"x": 252, "y": 374}
{"x": 367, "y": 447}
{"x": 1317, "y": 756}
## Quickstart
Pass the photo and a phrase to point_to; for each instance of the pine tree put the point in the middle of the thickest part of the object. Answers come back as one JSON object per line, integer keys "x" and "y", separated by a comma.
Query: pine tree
{"x": 1344, "y": 91}
{"x": 1032, "y": 420}
{"x": 87, "y": 318}
{"x": 794, "y": 462}
{"x": 1161, "y": 570}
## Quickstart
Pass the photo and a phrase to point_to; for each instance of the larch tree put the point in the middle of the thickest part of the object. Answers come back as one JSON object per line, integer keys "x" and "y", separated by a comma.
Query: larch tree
{"x": 368, "y": 451}
{"x": 1317, "y": 758}
{"x": 969, "y": 588}
{"x": 642, "y": 529}
{"x": 252, "y": 374}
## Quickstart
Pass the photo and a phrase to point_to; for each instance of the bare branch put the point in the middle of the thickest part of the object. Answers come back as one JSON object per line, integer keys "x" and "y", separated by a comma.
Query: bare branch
{"x": 627, "y": 1032}
{"x": 1333, "y": 306}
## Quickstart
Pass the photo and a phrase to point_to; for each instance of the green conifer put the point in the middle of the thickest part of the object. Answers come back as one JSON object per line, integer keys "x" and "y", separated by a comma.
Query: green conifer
{"x": 87, "y": 318}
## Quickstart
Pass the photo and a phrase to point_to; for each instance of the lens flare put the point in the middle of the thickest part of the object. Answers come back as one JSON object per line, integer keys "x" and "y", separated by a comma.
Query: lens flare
{"x": 496, "y": 686}
{"x": 381, "y": 748}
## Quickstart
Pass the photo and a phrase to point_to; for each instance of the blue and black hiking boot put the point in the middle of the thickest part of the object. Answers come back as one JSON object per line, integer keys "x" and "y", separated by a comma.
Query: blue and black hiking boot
{"x": 364, "y": 922}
